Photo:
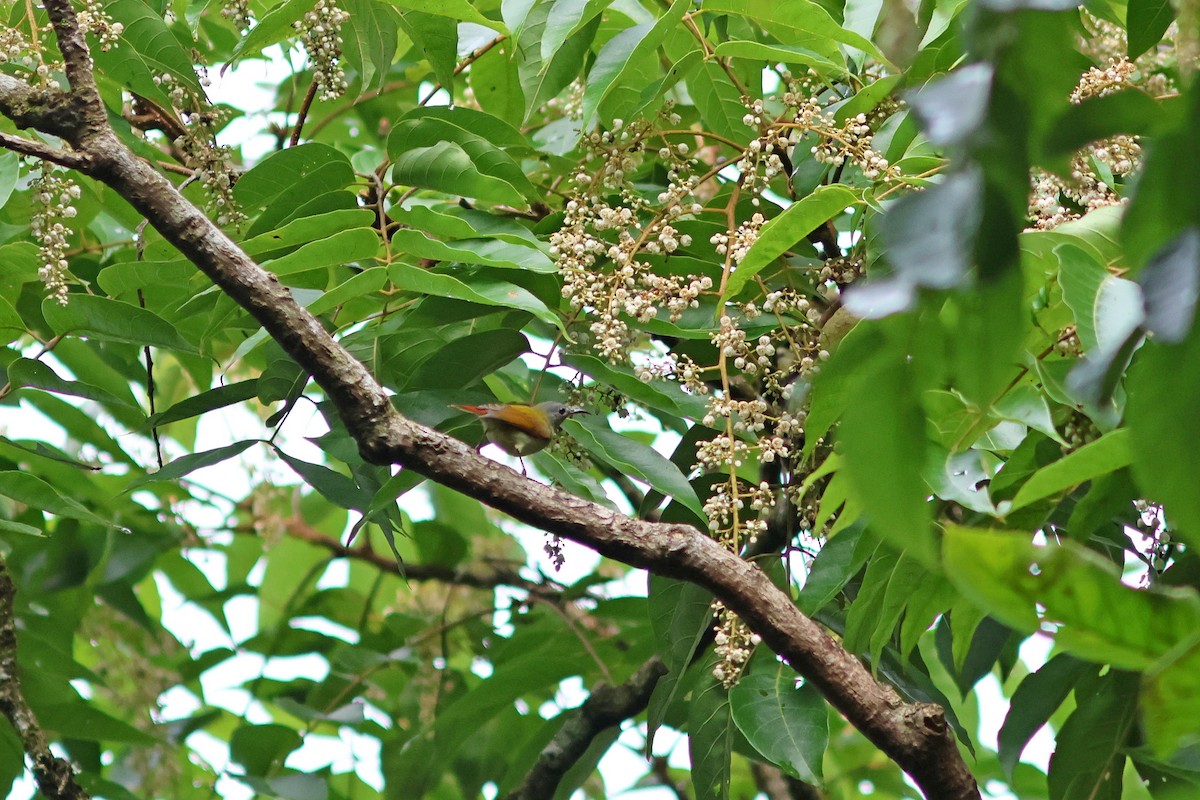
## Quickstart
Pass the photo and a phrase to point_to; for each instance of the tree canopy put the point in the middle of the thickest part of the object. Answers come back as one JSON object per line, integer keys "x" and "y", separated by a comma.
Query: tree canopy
{"x": 883, "y": 313}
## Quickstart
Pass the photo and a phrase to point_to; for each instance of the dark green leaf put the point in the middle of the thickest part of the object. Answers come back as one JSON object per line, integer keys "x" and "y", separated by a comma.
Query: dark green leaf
{"x": 789, "y": 726}
{"x": 1089, "y": 758}
{"x": 1163, "y": 385}
{"x": 113, "y": 320}
{"x": 710, "y": 725}
{"x": 952, "y": 109}
{"x": 1145, "y": 22}
{"x": 192, "y": 462}
{"x": 789, "y": 228}
{"x": 484, "y": 291}
{"x": 1171, "y": 286}
{"x": 1035, "y": 700}
{"x": 636, "y": 460}
{"x": 296, "y": 172}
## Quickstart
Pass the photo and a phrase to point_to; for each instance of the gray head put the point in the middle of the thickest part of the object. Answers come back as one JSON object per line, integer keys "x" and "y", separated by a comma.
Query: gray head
{"x": 558, "y": 412}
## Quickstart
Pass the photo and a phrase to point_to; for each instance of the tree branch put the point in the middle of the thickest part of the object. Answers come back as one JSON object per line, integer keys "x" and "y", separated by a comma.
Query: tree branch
{"x": 914, "y": 735}
{"x": 488, "y": 577}
{"x": 605, "y": 707}
{"x": 53, "y": 775}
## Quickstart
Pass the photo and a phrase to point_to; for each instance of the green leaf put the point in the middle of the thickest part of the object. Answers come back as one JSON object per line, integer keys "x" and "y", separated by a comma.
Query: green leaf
{"x": 786, "y": 230}
{"x": 789, "y": 726}
{"x": 357, "y": 244}
{"x": 1036, "y": 698}
{"x": 679, "y": 614}
{"x": 262, "y": 749}
{"x": 300, "y": 172}
{"x": 365, "y": 283}
{"x": 194, "y": 406}
{"x": 636, "y": 460}
{"x": 1145, "y": 23}
{"x": 1171, "y": 700}
{"x": 272, "y": 28}
{"x": 719, "y": 102}
{"x": 547, "y": 63}
{"x": 930, "y": 235}
{"x": 433, "y": 153}
{"x": 10, "y": 169}
{"x": 25, "y": 373}
{"x": 115, "y": 321}
{"x": 146, "y": 48}
{"x": 832, "y": 569}
{"x": 1163, "y": 385}
{"x": 495, "y": 80}
{"x": 1126, "y": 112}
{"x": 307, "y": 229}
{"x": 437, "y": 39}
{"x": 463, "y": 361}
{"x": 80, "y": 720}
{"x": 1109, "y": 453}
{"x": 616, "y": 63}
{"x": 369, "y": 40}
{"x": 36, "y": 493}
{"x": 486, "y": 252}
{"x": 801, "y": 22}
{"x": 666, "y": 396}
{"x": 484, "y": 291}
{"x": 953, "y": 108}
{"x": 710, "y": 743}
{"x": 565, "y": 18}
{"x": 1106, "y": 308}
{"x": 1072, "y": 590}
{"x": 831, "y": 61}
{"x": 192, "y": 462}
{"x": 1171, "y": 287}
{"x": 883, "y": 433}
{"x": 1089, "y": 756}
{"x": 335, "y": 487}
{"x": 454, "y": 9}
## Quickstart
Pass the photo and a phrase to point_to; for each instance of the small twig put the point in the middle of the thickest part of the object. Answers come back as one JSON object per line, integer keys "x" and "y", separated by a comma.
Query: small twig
{"x": 54, "y": 155}
{"x": 158, "y": 454}
{"x": 466, "y": 62}
{"x": 305, "y": 105}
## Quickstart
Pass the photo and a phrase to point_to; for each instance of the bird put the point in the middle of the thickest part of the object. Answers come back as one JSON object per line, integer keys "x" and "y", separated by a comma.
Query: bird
{"x": 520, "y": 429}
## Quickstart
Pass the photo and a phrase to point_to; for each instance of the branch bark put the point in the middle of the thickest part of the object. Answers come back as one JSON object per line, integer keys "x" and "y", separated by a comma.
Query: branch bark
{"x": 914, "y": 735}
{"x": 53, "y": 775}
{"x": 605, "y": 707}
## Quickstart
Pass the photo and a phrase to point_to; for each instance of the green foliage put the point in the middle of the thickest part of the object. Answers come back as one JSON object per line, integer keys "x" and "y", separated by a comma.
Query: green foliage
{"x": 786, "y": 253}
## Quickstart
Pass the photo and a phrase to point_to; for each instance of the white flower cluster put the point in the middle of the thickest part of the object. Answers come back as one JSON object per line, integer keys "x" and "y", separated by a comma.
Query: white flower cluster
{"x": 16, "y": 49}
{"x": 601, "y": 247}
{"x": 213, "y": 165}
{"x": 847, "y": 143}
{"x": 321, "y": 36}
{"x": 737, "y": 245}
{"x": 1097, "y": 82}
{"x": 96, "y": 21}
{"x": 733, "y": 644}
{"x": 54, "y": 197}
{"x": 842, "y": 271}
{"x": 1087, "y": 188}
{"x": 237, "y": 12}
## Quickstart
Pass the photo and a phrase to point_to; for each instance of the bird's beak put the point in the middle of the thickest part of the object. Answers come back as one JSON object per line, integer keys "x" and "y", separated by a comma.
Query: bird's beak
{"x": 573, "y": 411}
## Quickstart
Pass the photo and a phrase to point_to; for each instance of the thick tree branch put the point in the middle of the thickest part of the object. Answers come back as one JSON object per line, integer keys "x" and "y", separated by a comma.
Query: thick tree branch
{"x": 914, "y": 735}
{"x": 53, "y": 775}
{"x": 605, "y": 707}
